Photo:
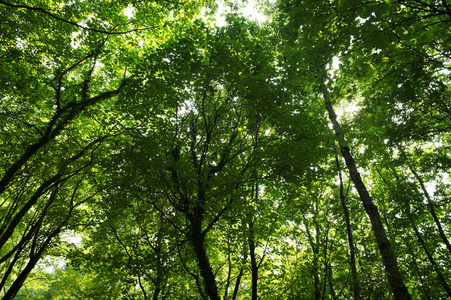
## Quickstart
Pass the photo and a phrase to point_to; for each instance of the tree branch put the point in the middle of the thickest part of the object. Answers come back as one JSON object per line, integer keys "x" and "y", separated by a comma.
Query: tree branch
{"x": 52, "y": 15}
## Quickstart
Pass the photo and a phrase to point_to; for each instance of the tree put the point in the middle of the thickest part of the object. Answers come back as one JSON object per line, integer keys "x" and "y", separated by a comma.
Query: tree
{"x": 319, "y": 21}
{"x": 60, "y": 73}
{"x": 150, "y": 154}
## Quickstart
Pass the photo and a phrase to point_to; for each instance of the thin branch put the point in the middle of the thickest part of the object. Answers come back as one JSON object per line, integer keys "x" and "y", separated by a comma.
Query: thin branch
{"x": 39, "y": 9}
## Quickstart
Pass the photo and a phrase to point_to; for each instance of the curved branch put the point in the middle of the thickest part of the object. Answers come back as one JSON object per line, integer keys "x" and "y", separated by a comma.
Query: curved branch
{"x": 39, "y": 9}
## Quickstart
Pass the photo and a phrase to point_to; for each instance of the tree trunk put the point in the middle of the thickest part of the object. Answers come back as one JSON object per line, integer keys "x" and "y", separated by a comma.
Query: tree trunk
{"x": 395, "y": 279}
{"x": 419, "y": 237}
{"x": 43, "y": 188}
{"x": 34, "y": 258}
{"x": 254, "y": 267}
{"x": 315, "y": 249}
{"x": 355, "y": 279}
{"x": 431, "y": 209}
{"x": 159, "y": 279}
{"x": 237, "y": 284}
{"x": 229, "y": 272}
{"x": 197, "y": 241}
{"x": 333, "y": 295}
{"x": 156, "y": 293}
{"x": 240, "y": 274}
{"x": 424, "y": 286}
{"x": 433, "y": 263}
{"x": 15, "y": 287}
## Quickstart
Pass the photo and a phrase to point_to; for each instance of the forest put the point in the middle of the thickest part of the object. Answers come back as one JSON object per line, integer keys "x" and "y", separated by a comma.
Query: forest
{"x": 149, "y": 151}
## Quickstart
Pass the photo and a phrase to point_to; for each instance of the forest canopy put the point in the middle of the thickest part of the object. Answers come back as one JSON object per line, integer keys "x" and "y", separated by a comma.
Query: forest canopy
{"x": 150, "y": 151}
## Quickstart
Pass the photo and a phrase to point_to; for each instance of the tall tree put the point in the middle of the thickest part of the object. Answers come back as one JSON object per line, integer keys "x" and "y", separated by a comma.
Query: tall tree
{"x": 147, "y": 153}
{"x": 62, "y": 65}
{"x": 328, "y": 29}
{"x": 202, "y": 150}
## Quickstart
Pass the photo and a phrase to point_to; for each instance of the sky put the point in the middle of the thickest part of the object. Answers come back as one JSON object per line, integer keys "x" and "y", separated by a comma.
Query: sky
{"x": 249, "y": 10}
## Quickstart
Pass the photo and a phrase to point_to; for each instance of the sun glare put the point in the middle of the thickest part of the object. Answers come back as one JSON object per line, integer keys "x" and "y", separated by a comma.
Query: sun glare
{"x": 249, "y": 11}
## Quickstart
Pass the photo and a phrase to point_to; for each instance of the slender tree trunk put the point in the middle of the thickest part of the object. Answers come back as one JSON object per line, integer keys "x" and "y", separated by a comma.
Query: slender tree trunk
{"x": 355, "y": 279}
{"x": 160, "y": 275}
{"x": 331, "y": 283}
{"x": 143, "y": 290}
{"x": 327, "y": 263}
{"x": 156, "y": 293}
{"x": 34, "y": 258}
{"x": 240, "y": 274}
{"x": 9, "y": 269}
{"x": 433, "y": 263}
{"x": 160, "y": 268}
{"x": 43, "y": 188}
{"x": 229, "y": 272}
{"x": 15, "y": 287}
{"x": 395, "y": 279}
{"x": 197, "y": 241}
{"x": 254, "y": 267}
{"x": 315, "y": 249}
{"x": 237, "y": 284}
{"x": 423, "y": 284}
{"x": 420, "y": 238}
{"x": 431, "y": 209}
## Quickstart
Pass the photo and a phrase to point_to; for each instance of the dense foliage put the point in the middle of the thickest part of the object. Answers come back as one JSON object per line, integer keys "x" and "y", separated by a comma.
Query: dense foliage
{"x": 147, "y": 153}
